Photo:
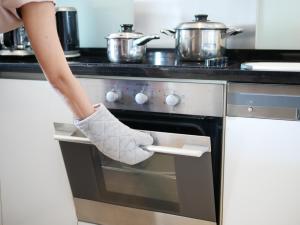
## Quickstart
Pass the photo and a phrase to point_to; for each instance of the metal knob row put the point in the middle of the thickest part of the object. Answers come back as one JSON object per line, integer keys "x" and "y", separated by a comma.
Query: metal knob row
{"x": 141, "y": 98}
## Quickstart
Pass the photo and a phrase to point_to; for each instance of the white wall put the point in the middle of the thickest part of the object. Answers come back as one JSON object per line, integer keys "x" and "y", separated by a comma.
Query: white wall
{"x": 153, "y": 15}
{"x": 98, "y": 18}
{"x": 278, "y": 24}
{"x": 277, "y": 21}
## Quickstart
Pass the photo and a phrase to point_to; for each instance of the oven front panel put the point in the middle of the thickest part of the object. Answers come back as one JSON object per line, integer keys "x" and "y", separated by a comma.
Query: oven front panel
{"x": 170, "y": 185}
{"x": 103, "y": 213}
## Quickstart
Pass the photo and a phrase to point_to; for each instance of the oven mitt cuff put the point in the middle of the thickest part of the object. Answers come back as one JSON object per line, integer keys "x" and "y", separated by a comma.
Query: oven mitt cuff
{"x": 113, "y": 138}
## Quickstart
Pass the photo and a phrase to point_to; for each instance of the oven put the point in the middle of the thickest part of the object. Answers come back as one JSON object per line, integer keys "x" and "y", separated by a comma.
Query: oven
{"x": 179, "y": 184}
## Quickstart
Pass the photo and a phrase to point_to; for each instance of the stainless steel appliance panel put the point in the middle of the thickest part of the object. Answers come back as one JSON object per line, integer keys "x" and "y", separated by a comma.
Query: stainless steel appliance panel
{"x": 107, "y": 214}
{"x": 194, "y": 98}
{"x": 264, "y": 101}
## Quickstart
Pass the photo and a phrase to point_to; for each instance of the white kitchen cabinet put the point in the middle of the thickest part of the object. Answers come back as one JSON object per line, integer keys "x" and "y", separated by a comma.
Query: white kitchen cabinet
{"x": 262, "y": 172}
{"x": 0, "y": 206}
{"x": 34, "y": 184}
{"x": 83, "y": 223}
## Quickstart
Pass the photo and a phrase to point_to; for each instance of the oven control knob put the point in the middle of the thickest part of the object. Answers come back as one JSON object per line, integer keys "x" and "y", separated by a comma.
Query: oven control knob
{"x": 112, "y": 96}
{"x": 141, "y": 98}
{"x": 172, "y": 100}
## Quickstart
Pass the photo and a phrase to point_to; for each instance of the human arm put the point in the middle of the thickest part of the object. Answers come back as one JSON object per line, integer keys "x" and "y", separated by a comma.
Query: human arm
{"x": 112, "y": 138}
{"x": 40, "y": 24}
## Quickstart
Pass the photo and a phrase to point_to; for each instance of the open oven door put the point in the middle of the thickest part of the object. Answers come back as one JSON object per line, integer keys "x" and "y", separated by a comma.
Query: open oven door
{"x": 175, "y": 186}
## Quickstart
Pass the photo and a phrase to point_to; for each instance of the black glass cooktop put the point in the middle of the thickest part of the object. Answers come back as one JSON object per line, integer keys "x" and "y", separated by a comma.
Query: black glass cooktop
{"x": 154, "y": 58}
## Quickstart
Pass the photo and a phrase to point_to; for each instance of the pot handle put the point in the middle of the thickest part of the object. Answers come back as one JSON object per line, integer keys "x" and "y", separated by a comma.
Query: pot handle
{"x": 145, "y": 40}
{"x": 168, "y": 32}
{"x": 233, "y": 31}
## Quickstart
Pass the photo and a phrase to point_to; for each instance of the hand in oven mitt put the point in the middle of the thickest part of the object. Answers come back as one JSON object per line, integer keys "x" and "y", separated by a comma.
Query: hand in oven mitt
{"x": 113, "y": 138}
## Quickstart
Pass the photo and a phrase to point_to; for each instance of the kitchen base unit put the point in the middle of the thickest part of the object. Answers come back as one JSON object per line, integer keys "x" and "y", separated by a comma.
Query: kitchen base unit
{"x": 262, "y": 155}
{"x": 34, "y": 184}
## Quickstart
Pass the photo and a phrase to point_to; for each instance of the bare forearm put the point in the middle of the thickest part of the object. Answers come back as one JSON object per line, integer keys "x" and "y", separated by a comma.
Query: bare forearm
{"x": 40, "y": 24}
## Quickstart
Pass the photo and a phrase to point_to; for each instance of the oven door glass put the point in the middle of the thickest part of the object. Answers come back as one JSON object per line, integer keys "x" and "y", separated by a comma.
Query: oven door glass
{"x": 174, "y": 184}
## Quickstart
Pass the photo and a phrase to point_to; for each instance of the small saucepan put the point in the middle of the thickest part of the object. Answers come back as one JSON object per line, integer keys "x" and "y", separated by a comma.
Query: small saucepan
{"x": 127, "y": 46}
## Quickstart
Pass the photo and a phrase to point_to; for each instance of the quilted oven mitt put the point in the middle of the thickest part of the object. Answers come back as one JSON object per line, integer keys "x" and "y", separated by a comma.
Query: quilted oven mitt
{"x": 113, "y": 138}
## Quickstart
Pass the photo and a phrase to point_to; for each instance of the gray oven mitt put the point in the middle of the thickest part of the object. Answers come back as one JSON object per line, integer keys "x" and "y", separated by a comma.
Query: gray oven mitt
{"x": 113, "y": 138}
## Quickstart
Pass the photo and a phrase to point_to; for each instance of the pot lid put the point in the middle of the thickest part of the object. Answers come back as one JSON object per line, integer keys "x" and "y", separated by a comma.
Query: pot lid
{"x": 126, "y": 32}
{"x": 201, "y": 23}
{"x": 65, "y": 9}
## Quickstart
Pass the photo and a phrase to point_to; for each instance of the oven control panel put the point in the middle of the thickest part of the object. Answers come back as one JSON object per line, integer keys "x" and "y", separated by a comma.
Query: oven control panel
{"x": 188, "y": 98}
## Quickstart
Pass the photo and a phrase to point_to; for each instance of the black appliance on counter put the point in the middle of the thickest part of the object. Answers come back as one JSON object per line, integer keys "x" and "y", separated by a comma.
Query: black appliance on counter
{"x": 67, "y": 28}
{"x": 177, "y": 187}
{"x": 15, "y": 43}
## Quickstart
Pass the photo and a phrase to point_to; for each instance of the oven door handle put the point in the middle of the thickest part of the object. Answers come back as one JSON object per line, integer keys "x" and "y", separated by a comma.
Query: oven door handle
{"x": 68, "y": 133}
{"x": 186, "y": 150}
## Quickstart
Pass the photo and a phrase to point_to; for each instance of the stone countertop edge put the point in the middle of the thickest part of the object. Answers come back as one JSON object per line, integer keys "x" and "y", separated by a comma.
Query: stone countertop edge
{"x": 97, "y": 67}
{"x": 33, "y": 72}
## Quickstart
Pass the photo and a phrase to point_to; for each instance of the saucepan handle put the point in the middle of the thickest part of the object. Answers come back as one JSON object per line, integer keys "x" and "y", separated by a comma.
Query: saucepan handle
{"x": 168, "y": 32}
{"x": 233, "y": 31}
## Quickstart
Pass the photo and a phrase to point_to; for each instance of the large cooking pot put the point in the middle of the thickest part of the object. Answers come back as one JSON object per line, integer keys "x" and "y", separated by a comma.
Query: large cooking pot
{"x": 127, "y": 46}
{"x": 201, "y": 39}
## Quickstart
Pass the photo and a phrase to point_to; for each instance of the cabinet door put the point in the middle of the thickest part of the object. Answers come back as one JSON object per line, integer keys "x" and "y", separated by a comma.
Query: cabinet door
{"x": 0, "y": 205}
{"x": 34, "y": 184}
{"x": 83, "y": 223}
{"x": 262, "y": 172}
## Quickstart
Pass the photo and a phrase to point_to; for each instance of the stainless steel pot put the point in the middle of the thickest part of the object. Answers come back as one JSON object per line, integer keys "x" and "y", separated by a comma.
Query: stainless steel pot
{"x": 127, "y": 46}
{"x": 201, "y": 39}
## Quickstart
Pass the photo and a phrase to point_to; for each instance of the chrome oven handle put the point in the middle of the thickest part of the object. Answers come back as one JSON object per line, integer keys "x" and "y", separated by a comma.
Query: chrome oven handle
{"x": 186, "y": 150}
{"x": 68, "y": 133}
{"x": 74, "y": 139}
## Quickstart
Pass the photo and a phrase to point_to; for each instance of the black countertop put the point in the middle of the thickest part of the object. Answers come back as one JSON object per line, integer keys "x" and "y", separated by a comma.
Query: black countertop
{"x": 162, "y": 63}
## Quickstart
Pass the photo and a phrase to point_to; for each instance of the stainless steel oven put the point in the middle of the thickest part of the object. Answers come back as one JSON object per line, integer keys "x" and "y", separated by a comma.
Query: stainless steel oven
{"x": 175, "y": 186}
